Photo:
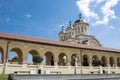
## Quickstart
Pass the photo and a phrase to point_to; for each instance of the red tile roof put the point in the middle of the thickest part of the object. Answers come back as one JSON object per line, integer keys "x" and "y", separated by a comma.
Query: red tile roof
{"x": 58, "y": 43}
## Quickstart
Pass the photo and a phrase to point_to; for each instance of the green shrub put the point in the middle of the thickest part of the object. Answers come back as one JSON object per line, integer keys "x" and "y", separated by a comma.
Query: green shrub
{"x": 97, "y": 63}
{"x": 37, "y": 59}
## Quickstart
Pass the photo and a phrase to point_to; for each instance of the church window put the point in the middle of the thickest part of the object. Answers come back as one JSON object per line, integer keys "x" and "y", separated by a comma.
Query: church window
{"x": 82, "y": 29}
{"x": 78, "y": 29}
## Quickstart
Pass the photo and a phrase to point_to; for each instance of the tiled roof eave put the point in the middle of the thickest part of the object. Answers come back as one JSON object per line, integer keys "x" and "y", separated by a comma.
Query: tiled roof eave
{"x": 57, "y": 43}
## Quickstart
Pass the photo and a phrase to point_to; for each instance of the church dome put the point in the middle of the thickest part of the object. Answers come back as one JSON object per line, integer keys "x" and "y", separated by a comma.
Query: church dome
{"x": 61, "y": 32}
{"x": 77, "y": 21}
{"x": 81, "y": 21}
{"x": 69, "y": 28}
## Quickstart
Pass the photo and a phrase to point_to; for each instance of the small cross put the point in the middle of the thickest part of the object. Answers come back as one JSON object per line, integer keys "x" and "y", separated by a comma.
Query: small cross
{"x": 62, "y": 28}
{"x": 69, "y": 23}
{"x": 80, "y": 16}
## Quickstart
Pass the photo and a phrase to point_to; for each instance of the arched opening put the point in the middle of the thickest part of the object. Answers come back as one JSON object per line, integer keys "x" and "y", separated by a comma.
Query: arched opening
{"x": 49, "y": 58}
{"x": 85, "y": 60}
{"x": 1, "y": 55}
{"x": 118, "y": 62}
{"x": 74, "y": 59}
{"x": 112, "y": 61}
{"x": 95, "y": 61}
{"x": 30, "y": 55}
{"x": 29, "y": 58}
{"x": 104, "y": 61}
{"x": 62, "y": 59}
{"x": 15, "y": 56}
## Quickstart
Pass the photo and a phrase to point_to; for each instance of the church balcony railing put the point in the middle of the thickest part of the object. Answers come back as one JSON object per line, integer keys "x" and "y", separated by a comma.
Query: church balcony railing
{"x": 14, "y": 65}
{"x": 48, "y": 66}
{"x": 113, "y": 67}
{"x": 31, "y": 66}
{"x": 118, "y": 67}
{"x": 77, "y": 67}
{"x": 63, "y": 67}
{"x": 86, "y": 67}
{"x": 97, "y": 67}
{"x": 105, "y": 67}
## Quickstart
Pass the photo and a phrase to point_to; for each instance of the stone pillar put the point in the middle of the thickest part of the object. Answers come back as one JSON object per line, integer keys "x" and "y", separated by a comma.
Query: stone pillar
{"x": 68, "y": 60}
{"x": 3, "y": 57}
{"x": 24, "y": 57}
{"x": 90, "y": 65}
{"x": 80, "y": 64}
{"x": 115, "y": 65}
{"x": 56, "y": 60}
{"x": 68, "y": 63}
{"x": 56, "y": 64}
{"x": 79, "y": 61}
{"x": 90, "y": 62}
{"x": 100, "y": 70}
{"x": 108, "y": 63}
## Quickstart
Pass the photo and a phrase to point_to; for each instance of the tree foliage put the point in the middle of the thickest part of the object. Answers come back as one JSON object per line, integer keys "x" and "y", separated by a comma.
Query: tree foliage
{"x": 14, "y": 59}
{"x": 97, "y": 63}
{"x": 37, "y": 59}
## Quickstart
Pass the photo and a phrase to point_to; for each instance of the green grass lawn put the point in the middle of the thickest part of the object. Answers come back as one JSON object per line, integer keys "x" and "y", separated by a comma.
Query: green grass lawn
{"x": 4, "y": 77}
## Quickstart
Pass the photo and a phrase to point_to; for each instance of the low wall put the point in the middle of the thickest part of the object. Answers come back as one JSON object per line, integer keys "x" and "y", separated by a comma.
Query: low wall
{"x": 65, "y": 77}
{"x": 11, "y": 68}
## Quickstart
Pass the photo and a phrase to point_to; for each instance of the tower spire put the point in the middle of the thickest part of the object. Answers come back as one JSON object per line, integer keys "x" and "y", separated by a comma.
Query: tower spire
{"x": 80, "y": 16}
{"x": 69, "y": 23}
{"x": 62, "y": 28}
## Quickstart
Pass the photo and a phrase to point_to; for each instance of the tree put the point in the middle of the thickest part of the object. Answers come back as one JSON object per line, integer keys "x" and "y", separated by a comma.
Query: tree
{"x": 14, "y": 59}
{"x": 37, "y": 59}
{"x": 97, "y": 63}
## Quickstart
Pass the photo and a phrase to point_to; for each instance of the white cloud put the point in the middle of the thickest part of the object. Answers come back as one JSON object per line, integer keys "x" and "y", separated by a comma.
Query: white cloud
{"x": 108, "y": 13}
{"x": 99, "y": 1}
{"x": 84, "y": 6}
{"x": 102, "y": 13}
{"x": 28, "y": 16}
{"x": 112, "y": 27}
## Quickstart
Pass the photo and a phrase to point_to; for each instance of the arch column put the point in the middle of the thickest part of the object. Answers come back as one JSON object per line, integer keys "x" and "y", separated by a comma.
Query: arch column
{"x": 90, "y": 61}
{"x": 79, "y": 60}
{"x": 56, "y": 60}
{"x": 108, "y": 63}
{"x": 68, "y": 60}
{"x": 24, "y": 57}
{"x": 3, "y": 56}
{"x": 115, "y": 62}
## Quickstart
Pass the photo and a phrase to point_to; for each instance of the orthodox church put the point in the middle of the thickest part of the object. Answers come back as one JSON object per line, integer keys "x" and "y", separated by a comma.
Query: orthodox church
{"x": 78, "y": 33}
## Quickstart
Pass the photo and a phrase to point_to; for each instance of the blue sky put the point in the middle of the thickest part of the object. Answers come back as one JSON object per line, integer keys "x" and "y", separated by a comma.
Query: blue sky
{"x": 43, "y": 18}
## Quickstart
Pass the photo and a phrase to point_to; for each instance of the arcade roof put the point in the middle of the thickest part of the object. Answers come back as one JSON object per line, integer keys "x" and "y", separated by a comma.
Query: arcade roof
{"x": 57, "y": 43}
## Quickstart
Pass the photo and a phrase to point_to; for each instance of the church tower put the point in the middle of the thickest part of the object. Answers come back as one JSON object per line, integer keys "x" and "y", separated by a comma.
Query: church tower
{"x": 78, "y": 33}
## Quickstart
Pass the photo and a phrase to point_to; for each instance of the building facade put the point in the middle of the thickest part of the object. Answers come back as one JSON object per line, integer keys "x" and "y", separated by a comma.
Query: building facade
{"x": 77, "y": 52}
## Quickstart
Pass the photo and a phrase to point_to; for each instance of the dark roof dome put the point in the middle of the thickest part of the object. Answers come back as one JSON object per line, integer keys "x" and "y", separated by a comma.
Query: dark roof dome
{"x": 79, "y": 20}
{"x": 69, "y": 28}
{"x": 61, "y": 32}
